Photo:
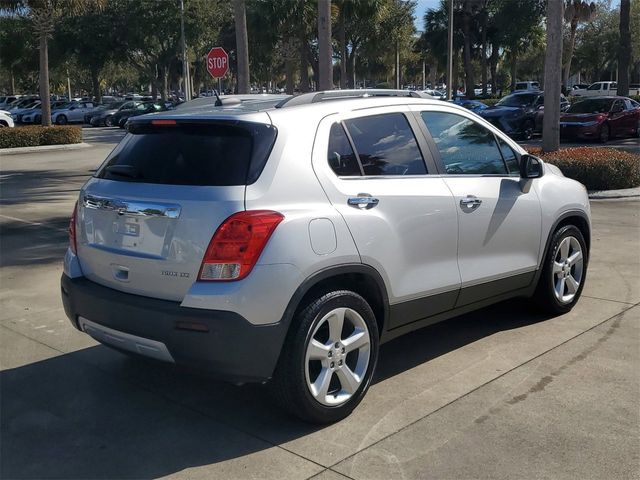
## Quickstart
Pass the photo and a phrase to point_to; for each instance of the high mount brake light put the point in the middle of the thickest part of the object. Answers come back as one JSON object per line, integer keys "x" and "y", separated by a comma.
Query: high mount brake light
{"x": 237, "y": 244}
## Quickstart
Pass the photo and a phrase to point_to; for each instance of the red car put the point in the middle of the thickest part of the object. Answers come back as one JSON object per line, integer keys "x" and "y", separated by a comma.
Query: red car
{"x": 601, "y": 118}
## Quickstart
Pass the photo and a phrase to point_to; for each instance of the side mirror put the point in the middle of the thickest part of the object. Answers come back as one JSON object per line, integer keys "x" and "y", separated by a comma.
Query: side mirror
{"x": 530, "y": 166}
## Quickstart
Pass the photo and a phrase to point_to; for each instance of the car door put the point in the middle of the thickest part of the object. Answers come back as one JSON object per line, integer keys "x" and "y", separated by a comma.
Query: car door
{"x": 402, "y": 217}
{"x": 499, "y": 215}
{"x": 618, "y": 118}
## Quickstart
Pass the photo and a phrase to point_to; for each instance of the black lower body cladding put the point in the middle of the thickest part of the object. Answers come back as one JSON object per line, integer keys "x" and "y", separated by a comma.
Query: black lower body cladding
{"x": 232, "y": 349}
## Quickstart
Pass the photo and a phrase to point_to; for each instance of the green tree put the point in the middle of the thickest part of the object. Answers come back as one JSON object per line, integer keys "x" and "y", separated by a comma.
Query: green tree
{"x": 44, "y": 15}
{"x": 575, "y": 12}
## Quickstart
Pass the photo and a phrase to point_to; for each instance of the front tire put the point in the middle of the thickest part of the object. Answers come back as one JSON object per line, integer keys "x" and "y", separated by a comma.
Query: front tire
{"x": 108, "y": 122}
{"x": 328, "y": 359}
{"x": 605, "y": 134}
{"x": 61, "y": 120}
{"x": 563, "y": 273}
{"x": 527, "y": 130}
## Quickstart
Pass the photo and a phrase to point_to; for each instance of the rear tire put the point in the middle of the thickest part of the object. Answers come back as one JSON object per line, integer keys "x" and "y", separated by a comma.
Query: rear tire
{"x": 328, "y": 359}
{"x": 61, "y": 120}
{"x": 108, "y": 122}
{"x": 563, "y": 273}
{"x": 605, "y": 134}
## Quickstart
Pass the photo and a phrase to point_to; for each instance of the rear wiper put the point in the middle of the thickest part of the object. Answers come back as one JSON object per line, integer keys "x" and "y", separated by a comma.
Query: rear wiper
{"x": 124, "y": 171}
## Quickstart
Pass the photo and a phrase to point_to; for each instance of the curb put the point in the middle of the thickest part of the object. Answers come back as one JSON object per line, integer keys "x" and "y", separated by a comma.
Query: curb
{"x": 627, "y": 193}
{"x": 42, "y": 148}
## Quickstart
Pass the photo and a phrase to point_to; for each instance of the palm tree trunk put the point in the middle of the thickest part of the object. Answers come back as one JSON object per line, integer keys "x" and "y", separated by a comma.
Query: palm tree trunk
{"x": 13, "y": 81}
{"x": 483, "y": 60}
{"x": 288, "y": 68}
{"x": 468, "y": 67}
{"x": 325, "y": 69}
{"x": 304, "y": 63}
{"x": 624, "y": 51}
{"x": 343, "y": 50}
{"x": 493, "y": 65}
{"x": 242, "y": 45}
{"x": 45, "y": 96}
{"x": 95, "y": 84}
{"x": 397, "y": 66}
{"x": 566, "y": 73}
{"x": 552, "y": 69}
{"x": 514, "y": 67}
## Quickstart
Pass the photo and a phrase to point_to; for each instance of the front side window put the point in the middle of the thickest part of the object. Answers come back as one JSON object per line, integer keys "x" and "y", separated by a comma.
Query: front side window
{"x": 466, "y": 147}
{"x": 386, "y": 145}
{"x": 510, "y": 157}
{"x": 340, "y": 155}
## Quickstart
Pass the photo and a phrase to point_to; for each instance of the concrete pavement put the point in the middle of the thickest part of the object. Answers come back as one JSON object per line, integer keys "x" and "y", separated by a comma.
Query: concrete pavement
{"x": 499, "y": 393}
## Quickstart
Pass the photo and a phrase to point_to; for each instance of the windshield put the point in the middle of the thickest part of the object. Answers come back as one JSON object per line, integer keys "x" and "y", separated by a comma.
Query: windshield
{"x": 597, "y": 105}
{"x": 517, "y": 100}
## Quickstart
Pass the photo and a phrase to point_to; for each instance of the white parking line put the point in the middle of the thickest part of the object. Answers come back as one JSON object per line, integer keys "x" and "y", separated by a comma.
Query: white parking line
{"x": 38, "y": 224}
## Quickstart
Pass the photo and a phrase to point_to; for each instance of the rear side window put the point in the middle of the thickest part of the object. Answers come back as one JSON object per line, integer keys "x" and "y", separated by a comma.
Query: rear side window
{"x": 385, "y": 145}
{"x": 340, "y": 155}
{"x": 466, "y": 147}
{"x": 191, "y": 154}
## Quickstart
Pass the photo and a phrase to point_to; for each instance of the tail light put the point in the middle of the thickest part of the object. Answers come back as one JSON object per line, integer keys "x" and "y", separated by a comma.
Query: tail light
{"x": 72, "y": 229}
{"x": 237, "y": 245}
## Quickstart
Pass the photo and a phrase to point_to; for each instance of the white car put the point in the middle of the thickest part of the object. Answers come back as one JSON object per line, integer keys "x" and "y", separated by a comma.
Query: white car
{"x": 5, "y": 119}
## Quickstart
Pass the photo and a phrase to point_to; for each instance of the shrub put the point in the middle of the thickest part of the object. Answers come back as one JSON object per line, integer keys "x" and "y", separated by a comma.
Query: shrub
{"x": 596, "y": 168}
{"x": 33, "y": 136}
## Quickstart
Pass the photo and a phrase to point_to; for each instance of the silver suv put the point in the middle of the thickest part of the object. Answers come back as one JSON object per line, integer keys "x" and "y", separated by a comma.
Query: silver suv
{"x": 285, "y": 243}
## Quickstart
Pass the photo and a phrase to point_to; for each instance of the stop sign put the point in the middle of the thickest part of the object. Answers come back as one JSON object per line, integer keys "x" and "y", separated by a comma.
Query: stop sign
{"x": 217, "y": 62}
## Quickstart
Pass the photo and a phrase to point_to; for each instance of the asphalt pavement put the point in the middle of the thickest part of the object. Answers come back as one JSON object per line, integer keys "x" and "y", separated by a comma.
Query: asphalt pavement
{"x": 498, "y": 393}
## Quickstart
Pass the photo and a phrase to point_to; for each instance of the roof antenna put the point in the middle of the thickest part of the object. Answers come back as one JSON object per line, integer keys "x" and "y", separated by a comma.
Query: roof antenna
{"x": 218, "y": 101}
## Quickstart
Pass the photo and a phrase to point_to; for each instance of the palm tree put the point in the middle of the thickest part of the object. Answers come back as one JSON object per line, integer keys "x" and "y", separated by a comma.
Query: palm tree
{"x": 624, "y": 51}
{"x": 43, "y": 15}
{"x": 552, "y": 67}
{"x": 325, "y": 51}
{"x": 576, "y": 12}
{"x": 242, "y": 44}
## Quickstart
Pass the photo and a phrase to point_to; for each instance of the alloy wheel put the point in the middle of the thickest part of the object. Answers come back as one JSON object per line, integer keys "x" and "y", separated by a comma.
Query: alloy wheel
{"x": 568, "y": 268}
{"x": 337, "y": 356}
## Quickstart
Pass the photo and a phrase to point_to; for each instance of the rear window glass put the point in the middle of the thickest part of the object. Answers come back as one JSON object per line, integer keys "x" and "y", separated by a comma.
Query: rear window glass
{"x": 191, "y": 154}
{"x": 386, "y": 145}
{"x": 340, "y": 155}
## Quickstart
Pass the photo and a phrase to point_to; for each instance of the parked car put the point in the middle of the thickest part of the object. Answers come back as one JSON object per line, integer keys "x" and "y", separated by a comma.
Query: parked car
{"x": 604, "y": 89}
{"x": 528, "y": 85}
{"x": 6, "y": 120}
{"x": 73, "y": 112}
{"x": 34, "y": 116}
{"x": 579, "y": 86}
{"x": 21, "y": 109}
{"x": 435, "y": 94}
{"x": 516, "y": 114}
{"x": 473, "y": 105}
{"x": 120, "y": 118}
{"x": 7, "y": 100}
{"x": 601, "y": 118}
{"x": 105, "y": 117}
{"x": 191, "y": 244}
{"x": 21, "y": 102}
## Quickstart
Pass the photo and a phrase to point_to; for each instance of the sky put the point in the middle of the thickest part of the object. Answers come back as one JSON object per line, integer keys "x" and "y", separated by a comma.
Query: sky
{"x": 423, "y": 5}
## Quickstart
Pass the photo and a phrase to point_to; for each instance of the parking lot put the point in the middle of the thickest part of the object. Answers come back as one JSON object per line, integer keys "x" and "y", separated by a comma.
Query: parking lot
{"x": 502, "y": 391}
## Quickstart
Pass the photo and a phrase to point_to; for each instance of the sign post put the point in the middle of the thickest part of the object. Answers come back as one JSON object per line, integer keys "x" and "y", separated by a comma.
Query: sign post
{"x": 217, "y": 64}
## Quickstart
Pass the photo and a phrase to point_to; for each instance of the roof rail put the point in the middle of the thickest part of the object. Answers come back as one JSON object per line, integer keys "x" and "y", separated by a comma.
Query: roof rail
{"x": 314, "y": 97}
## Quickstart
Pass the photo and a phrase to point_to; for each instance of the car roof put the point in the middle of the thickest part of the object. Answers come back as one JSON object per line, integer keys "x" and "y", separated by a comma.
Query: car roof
{"x": 267, "y": 112}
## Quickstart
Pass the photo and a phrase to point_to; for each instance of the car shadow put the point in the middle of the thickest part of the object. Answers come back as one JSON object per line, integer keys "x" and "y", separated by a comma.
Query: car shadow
{"x": 96, "y": 413}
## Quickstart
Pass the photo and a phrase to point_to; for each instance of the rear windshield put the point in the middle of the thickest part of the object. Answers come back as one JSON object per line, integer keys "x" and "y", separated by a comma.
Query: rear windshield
{"x": 596, "y": 105}
{"x": 219, "y": 154}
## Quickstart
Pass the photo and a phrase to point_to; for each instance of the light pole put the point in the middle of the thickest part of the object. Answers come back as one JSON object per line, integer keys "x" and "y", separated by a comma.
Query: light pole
{"x": 450, "y": 53}
{"x": 185, "y": 65}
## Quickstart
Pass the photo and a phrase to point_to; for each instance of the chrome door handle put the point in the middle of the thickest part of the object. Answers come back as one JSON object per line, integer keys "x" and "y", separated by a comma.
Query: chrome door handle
{"x": 363, "y": 201}
{"x": 470, "y": 203}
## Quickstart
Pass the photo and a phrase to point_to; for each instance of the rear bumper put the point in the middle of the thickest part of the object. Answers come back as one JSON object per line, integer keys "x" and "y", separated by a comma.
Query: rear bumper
{"x": 231, "y": 349}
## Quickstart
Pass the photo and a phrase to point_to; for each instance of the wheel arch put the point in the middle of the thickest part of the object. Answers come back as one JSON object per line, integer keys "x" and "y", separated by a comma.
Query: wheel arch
{"x": 573, "y": 217}
{"x": 359, "y": 278}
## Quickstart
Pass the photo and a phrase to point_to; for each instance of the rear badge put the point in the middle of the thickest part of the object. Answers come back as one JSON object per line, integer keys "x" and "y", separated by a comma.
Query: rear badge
{"x": 169, "y": 273}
